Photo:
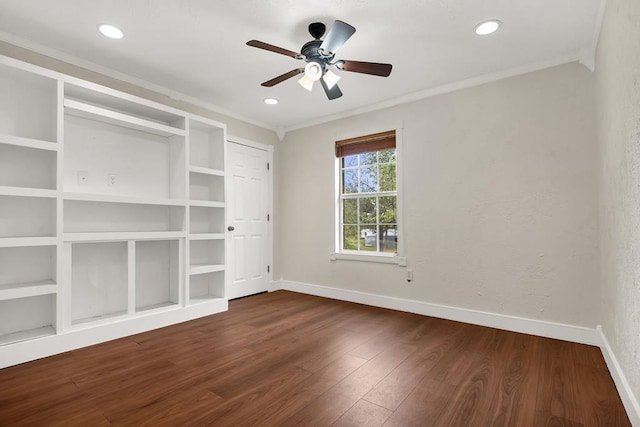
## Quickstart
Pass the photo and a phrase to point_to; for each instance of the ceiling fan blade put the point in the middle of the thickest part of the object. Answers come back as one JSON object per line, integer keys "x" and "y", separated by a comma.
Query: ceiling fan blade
{"x": 332, "y": 93}
{"x": 339, "y": 33}
{"x": 272, "y": 48}
{"x": 373, "y": 68}
{"x": 282, "y": 77}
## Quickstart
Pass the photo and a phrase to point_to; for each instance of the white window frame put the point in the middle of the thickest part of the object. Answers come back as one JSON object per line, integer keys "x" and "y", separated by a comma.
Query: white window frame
{"x": 386, "y": 258}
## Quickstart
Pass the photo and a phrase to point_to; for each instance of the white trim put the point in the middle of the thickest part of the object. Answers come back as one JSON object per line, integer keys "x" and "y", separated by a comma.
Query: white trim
{"x": 380, "y": 258}
{"x": 442, "y": 89}
{"x": 629, "y": 401}
{"x": 249, "y": 143}
{"x": 588, "y": 53}
{"x": 541, "y": 328}
{"x": 126, "y": 325}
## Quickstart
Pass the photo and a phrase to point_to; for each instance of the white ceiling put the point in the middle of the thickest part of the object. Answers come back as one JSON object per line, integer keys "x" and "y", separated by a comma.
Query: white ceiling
{"x": 197, "y": 48}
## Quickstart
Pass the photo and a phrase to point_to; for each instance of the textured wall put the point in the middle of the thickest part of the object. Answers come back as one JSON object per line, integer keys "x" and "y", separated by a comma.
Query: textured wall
{"x": 618, "y": 101}
{"x": 500, "y": 200}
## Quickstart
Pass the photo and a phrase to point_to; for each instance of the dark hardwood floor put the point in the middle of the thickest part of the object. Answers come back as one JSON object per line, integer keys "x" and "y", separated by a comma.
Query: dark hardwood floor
{"x": 297, "y": 360}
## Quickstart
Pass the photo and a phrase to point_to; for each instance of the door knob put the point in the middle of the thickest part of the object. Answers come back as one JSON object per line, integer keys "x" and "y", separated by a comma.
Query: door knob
{"x": 231, "y": 228}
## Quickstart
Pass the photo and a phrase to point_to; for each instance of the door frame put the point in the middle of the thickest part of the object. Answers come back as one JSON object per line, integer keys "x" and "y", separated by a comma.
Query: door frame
{"x": 231, "y": 139}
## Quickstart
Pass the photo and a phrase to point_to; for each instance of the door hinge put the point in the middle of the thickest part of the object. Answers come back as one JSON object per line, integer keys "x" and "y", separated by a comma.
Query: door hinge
{"x": 267, "y": 165}
{"x": 268, "y": 269}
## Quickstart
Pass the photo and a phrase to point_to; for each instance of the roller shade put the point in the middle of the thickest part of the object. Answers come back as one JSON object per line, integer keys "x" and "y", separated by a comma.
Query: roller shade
{"x": 366, "y": 144}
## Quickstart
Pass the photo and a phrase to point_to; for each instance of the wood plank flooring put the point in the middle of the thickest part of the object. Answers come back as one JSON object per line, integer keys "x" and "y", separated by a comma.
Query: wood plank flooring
{"x": 297, "y": 360}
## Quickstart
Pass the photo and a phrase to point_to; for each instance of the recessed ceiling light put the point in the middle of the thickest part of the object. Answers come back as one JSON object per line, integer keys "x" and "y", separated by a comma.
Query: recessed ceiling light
{"x": 110, "y": 31}
{"x": 487, "y": 27}
{"x": 271, "y": 101}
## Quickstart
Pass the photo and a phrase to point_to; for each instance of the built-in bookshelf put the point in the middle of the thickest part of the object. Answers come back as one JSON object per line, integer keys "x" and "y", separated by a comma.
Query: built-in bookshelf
{"x": 112, "y": 213}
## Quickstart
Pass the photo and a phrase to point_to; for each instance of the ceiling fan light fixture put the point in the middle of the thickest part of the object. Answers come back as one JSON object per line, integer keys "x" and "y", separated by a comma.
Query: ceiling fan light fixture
{"x": 313, "y": 70}
{"x": 306, "y": 82}
{"x": 487, "y": 27}
{"x": 110, "y": 31}
{"x": 330, "y": 78}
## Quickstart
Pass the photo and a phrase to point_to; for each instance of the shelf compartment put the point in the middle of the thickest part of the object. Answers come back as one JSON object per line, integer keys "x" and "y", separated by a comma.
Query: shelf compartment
{"x": 108, "y": 217}
{"x": 99, "y": 281}
{"x": 206, "y": 220}
{"x": 206, "y": 256}
{"x": 27, "y": 105}
{"x": 125, "y": 103}
{"x": 144, "y": 166}
{"x": 93, "y": 112}
{"x": 206, "y": 171}
{"x": 157, "y": 278}
{"x": 206, "y": 188}
{"x": 27, "y": 216}
{"x": 27, "y": 271}
{"x": 206, "y": 146}
{"x": 113, "y": 198}
{"x": 121, "y": 236}
{"x": 27, "y": 168}
{"x": 206, "y": 287}
{"x": 26, "y": 318}
{"x": 206, "y": 204}
{"x": 207, "y": 236}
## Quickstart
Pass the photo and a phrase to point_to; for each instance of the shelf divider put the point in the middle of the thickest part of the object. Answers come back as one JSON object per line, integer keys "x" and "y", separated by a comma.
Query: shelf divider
{"x": 205, "y": 268}
{"x": 206, "y": 171}
{"x": 114, "y": 198}
{"x": 122, "y": 236}
{"x": 27, "y": 192}
{"x": 28, "y": 142}
{"x": 31, "y": 289}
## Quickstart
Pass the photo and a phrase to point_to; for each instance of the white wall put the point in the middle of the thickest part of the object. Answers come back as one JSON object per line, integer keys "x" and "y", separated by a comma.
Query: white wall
{"x": 618, "y": 101}
{"x": 500, "y": 200}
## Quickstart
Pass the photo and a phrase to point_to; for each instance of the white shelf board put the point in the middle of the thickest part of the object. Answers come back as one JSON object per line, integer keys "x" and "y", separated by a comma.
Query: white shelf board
{"x": 114, "y": 198}
{"x": 16, "y": 242}
{"x": 104, "y": 317}
{"x": 26, "y": 335}
{"x": 206, "y": 236}
{"x": 28, "y": 142}
{"x": 202, "y": 299}
{"x": 206, "y": 204}
{"x": 31, "y": 289}
{"x": 205, "y": 268}
{"x": 206, "y": 171}
{"x": 88, "y": 111}
{"x": 122, "y": 235}
{"x": 157, "y": 307}
{"x": 27, "y": 192}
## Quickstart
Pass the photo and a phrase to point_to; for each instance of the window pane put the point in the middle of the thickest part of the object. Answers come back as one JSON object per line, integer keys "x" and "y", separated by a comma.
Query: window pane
{"x": 388, "y": 238}
{"x": 387, "y": 209}
{"x": 388, "y": 156}
{"x": 368, "y": 179}
{"x": 350, "y": 211}
{"x": 350, "y": 181}
{"x": 350, "y": 237}
{"x": 369, "y": 158}
{"x": 350, "y": 161}
{"x": 368, "y": 238}
{"x": 388, "y": 177}
{"x": 368, "y": 210}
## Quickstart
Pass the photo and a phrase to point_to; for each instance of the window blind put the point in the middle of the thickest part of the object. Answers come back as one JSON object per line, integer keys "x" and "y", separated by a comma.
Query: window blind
{"x": 366, "y": 144}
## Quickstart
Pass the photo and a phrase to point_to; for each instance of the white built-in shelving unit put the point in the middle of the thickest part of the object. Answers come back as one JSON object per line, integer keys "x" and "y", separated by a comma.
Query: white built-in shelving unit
{"x": 112, "y": 213}
{"x": 206, "y": 191}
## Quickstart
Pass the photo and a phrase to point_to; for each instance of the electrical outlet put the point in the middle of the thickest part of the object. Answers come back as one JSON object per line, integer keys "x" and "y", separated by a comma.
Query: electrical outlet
{"x": 409, "y": 275}
{"x": 111, "y": 180}
{"x": 83, "y": 178}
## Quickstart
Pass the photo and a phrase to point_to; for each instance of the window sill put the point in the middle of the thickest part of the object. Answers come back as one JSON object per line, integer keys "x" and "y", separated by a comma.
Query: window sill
{"x": 382, "y": 259}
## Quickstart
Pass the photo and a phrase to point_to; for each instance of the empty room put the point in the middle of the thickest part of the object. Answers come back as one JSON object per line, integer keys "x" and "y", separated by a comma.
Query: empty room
{"x": 278, "y": 213}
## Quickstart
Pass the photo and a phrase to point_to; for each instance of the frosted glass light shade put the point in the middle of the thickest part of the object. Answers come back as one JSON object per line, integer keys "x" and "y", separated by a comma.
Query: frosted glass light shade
{"x": 306, "y": 82}
{"x": 330, "y": 78}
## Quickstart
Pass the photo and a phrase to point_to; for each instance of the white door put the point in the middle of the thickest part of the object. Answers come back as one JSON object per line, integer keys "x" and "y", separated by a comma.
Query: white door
{"x": 248, "y": 227}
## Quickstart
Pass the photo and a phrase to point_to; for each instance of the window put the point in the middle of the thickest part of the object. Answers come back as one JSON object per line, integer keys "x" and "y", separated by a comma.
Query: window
{"x": 368, "y": 195}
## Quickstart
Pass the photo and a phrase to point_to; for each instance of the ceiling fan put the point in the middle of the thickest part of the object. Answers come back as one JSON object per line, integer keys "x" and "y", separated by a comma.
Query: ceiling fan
{"x": 319, "y": 56}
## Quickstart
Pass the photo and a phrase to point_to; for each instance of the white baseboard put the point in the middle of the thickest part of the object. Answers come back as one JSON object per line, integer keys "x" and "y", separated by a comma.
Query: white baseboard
{"x": 89, "y": 334}
{"x": 629, "y": 400}
{"x": 499, "y": 321}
